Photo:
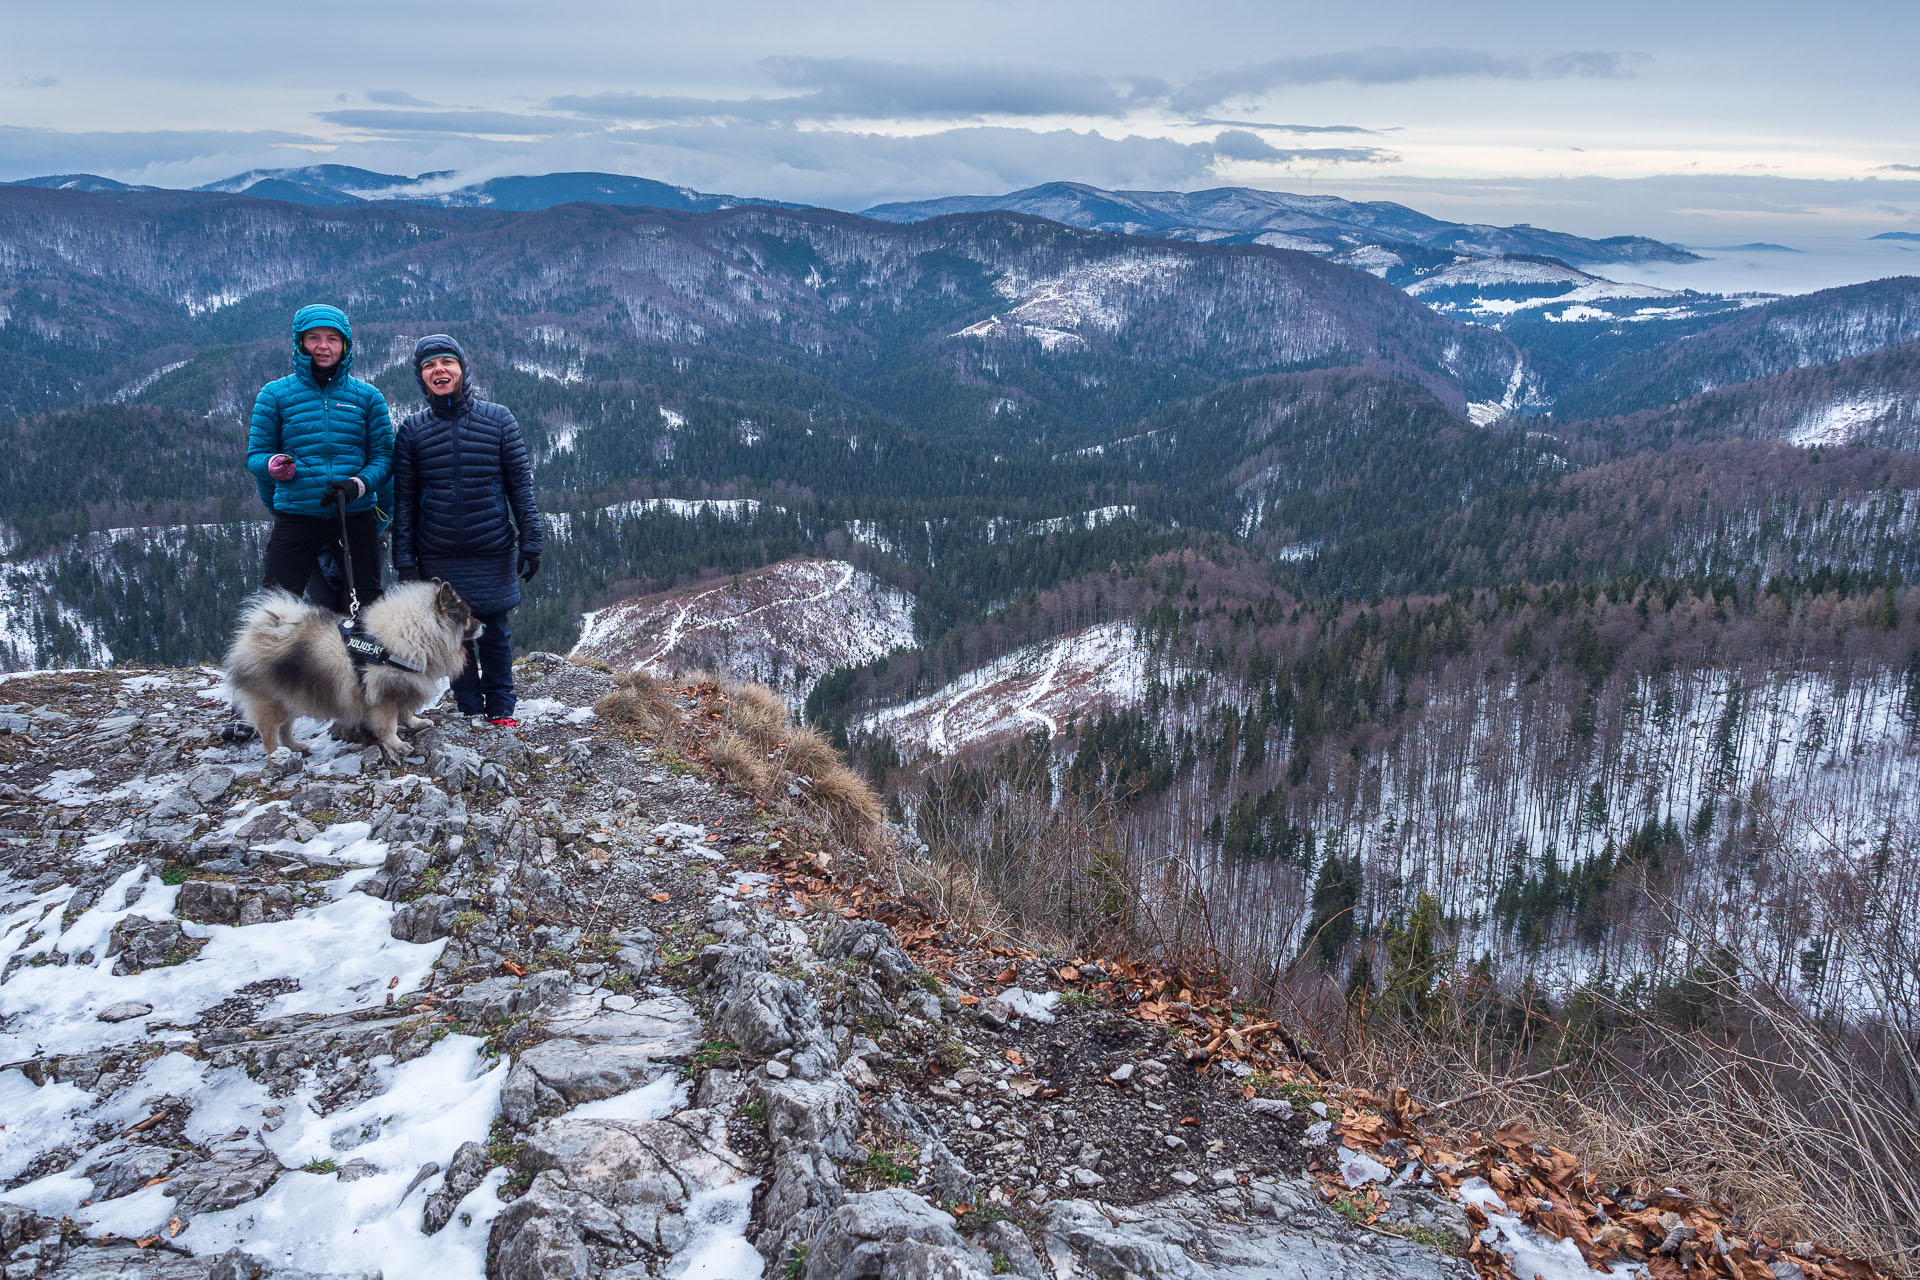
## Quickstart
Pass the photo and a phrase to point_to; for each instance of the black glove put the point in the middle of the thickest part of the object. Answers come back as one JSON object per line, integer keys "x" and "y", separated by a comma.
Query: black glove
{"x": 529, "y": 565}
{"x": 348, "y": 490}
{"x": 406, "y": 572}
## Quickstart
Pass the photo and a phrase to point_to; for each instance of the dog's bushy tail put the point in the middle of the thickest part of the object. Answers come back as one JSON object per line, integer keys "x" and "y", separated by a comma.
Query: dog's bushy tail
{"x": 273, "y": 613}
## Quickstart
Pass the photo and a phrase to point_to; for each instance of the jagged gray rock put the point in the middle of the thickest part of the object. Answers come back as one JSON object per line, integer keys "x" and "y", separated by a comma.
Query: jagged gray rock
{"x": 764, "y": 1013}
{"x": 497, "y": 999}
{"x": 233, "y": 1173}
{"x": 120, "y": 1172}
{"x": 580, "y": 1072}
{"x": 538, "y": 1237}
{"x": 467, "y": 1170}
{"x": 224, "y": 902}
{"x": 815, "y": 1115}
{"x": 871, "y": 942}
{"x": 1183, "y": 1238}
{"x": 723, "y": 964}
{"x": 893, "y": 1235}
{"x": 124, "y": 1011}
{"x": 610, "y": 1188}
{"x": 665, "y": 1026}
{"x": 236, "y": 1265}
{"x": 426, "y": 919}
{"x": 140, "y": 943}
{"x": 18, "y": 1225}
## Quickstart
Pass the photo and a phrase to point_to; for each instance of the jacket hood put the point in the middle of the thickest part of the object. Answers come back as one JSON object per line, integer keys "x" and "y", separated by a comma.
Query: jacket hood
{"x": 439, "y": 344}
{"x": 319, "y": 315}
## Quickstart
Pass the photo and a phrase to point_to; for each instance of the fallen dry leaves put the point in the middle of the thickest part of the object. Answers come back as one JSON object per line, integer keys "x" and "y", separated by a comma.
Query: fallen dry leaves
{"x": 1669, "y": 1232}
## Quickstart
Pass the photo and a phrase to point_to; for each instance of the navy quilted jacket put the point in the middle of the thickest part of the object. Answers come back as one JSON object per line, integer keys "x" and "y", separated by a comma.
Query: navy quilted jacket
{"x": 334, "y": 431}
{"x": 463, "y": 496}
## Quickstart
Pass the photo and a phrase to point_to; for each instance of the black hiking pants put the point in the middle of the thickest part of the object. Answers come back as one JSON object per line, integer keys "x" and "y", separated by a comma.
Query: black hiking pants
{"x": 293, "y": 552}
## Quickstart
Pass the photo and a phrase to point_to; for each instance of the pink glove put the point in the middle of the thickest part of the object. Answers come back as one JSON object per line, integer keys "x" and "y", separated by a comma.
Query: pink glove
{"x": 280, "y": 467}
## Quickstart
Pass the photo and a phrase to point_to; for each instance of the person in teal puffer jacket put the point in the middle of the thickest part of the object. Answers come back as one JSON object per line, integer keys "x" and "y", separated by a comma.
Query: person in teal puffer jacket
{"x": 317, "y": 435}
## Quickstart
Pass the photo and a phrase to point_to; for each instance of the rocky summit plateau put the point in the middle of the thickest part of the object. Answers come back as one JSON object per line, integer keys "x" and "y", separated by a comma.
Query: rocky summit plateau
{"x": 580, "y": 1000}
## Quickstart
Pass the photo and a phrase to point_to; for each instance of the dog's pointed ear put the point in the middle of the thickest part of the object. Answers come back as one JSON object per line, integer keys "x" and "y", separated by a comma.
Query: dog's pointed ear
{"x": 445, "y": 598}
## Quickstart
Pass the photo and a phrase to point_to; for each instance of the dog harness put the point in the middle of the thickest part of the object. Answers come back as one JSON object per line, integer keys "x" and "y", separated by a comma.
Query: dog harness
{"x": 368, "y": 652}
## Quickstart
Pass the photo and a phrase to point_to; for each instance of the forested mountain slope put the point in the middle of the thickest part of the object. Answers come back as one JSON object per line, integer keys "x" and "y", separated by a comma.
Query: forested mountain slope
{"x": 1742, "y": 510}
{"x": 1871, "y": 399}
{"x": 1792, "y": 333}
{"x": 981, "y": 316}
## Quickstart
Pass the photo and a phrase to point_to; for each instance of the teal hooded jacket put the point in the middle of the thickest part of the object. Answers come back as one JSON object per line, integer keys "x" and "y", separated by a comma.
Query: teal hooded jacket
{"x": 334, "y": 430}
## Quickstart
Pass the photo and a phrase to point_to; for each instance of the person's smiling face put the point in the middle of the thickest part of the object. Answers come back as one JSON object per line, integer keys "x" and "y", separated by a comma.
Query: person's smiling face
{"x": 441, "y": 374}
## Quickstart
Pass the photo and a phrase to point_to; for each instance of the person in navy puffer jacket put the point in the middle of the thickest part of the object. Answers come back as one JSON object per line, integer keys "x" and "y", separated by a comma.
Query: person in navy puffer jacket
{"x": 464, "y": 513}
{"x": 320, "y": 434}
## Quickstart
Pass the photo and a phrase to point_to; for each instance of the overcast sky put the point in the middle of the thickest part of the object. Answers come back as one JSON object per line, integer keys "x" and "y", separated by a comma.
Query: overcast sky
{"x": 1700, "y": 122}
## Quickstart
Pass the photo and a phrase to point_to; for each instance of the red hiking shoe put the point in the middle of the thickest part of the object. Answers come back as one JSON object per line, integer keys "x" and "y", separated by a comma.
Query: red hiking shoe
{"x": 504, "y": 722}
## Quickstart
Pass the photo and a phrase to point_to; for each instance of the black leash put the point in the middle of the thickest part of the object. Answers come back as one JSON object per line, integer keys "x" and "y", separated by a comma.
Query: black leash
{"x": 363, "y": 649}
{"x": 346, "y": 560}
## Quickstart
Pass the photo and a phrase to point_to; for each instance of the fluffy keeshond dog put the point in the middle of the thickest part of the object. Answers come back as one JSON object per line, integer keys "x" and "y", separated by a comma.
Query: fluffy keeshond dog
{"x": 289, "y": 658}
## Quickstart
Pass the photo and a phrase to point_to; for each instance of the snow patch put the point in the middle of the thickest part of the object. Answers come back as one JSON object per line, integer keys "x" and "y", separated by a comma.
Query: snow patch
{"x": 140, "y": 384}
{"x": 1846, "y": 418}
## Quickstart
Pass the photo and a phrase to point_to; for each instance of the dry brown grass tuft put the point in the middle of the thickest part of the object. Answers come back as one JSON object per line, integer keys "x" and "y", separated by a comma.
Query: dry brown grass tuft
{"x": 851, "y": 804}
{"x": 626, "y": 708}
{"x": 758, "y": 714}
{"x": 649, "y": 692}
{"x": 809, "y": 754}
{"x": 743, "y": 763}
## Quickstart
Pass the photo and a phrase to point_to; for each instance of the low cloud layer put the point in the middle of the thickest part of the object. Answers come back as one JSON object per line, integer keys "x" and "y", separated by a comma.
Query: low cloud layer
{"x": 147, "y": 155}
{"x": 1391, "y": 65}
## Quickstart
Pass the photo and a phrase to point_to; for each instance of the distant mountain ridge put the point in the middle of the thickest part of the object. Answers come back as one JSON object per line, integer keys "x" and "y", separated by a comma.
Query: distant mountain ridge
{"x": 1320, "y": 223}
{"x": 338, "y": 185}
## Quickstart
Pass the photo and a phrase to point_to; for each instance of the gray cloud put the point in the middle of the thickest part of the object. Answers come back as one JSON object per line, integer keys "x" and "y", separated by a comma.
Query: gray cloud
{"x": 399, "y": 120}
{"x": 395, "y": 98}
{"x": 36, "y": 82}
{"x": 825, "y": 89}
{"x": 1593, "y": 64}
{"x": 1384, "y": 64}
{"x": 1239, "y": 144}
{"x": 875, "y": 89}
{"x": 1290, "y": 128}
{"x": 851, "y": 170}
{"x": 144, "y": 156}
{"x": 1897, "y": 168}
{"x": 647, "y": 108}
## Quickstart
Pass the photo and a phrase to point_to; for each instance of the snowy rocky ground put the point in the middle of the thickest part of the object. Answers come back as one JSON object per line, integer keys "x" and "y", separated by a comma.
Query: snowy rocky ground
{"x": 547, "y": 1004}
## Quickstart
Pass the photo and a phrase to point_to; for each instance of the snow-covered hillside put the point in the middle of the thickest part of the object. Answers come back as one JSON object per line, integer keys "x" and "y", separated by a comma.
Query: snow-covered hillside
{"x": 1493, "y": 291}
{"x": 785, "y": 625}
{"x": 1465, "y": 796}
{"x": 1858, "y": 415}
{"x": 1039, "y": 687}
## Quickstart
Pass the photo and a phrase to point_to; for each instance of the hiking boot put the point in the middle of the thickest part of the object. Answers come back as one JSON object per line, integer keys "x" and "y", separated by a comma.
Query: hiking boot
{"x": 238, "y": 731}
{"x": 504, "y": 722}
